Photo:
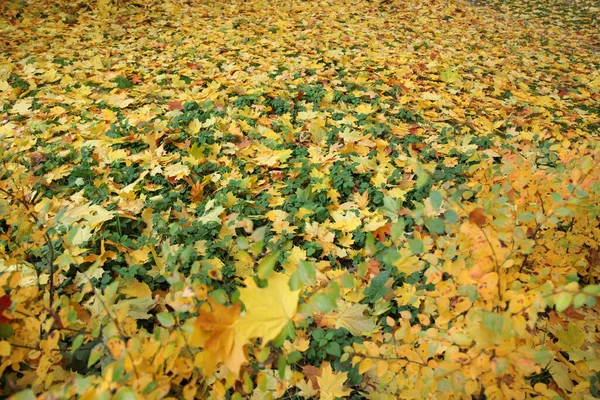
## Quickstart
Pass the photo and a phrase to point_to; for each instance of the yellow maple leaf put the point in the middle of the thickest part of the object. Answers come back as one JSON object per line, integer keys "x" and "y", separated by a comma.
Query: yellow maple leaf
{"x": 351, "y": 317}
{"x": 214, "y": 331}
{"x": 177, "y": 171}
{"x": 119, "y": 100}
{"x": 22, "y": 106}
{"x": 345, "y": 222}
{"x": 331, "y": 384}
{"x": 194, "y": 127}
{"x": 364, "y": 108}
{"x": 306, "y": 389}
{"x": 268, "y": 310}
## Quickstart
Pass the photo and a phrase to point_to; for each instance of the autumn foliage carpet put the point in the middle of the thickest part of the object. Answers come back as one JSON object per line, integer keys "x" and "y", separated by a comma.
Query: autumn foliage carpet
{"x": 299, "y": 199}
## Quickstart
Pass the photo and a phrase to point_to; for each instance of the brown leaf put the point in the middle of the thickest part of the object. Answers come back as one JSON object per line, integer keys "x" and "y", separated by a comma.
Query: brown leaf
{"x": 311, "y": 372}
{"x": 373, "y": 267}
{"x": 245, "y": 142}
{"x": 477, "y": 217}
{"x": 572, "y": 313}
{"x": 175, "y": 105}
{"x": 36, "y": 157}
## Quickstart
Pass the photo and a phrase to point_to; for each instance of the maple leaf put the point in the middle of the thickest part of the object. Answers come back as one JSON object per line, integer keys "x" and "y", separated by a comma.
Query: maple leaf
{"x": 331, "y": 385}
{"x": 175, "y": 105}
{"x": 268, "y": 310}
{"x": 119, "y": 100}
{"x": 211, "y": 213}
{"x": 345, "y": 222}
{"x": 136, "y": 308}
{"x": 22, "y": 106}
{"x": 215, "y": 332}
{"x": 306, "y": 389}
{"x": 177, "y": 171}
{"x": 351, "y": 317}
{"x": 324, "y": 148}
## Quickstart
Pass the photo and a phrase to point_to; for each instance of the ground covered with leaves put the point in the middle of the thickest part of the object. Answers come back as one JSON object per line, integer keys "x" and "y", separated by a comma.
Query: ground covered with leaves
{"x": 299, "y": 199}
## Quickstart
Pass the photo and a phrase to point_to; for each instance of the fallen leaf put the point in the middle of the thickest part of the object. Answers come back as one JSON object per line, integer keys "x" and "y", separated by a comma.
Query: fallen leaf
{"x": 268, "y": 310}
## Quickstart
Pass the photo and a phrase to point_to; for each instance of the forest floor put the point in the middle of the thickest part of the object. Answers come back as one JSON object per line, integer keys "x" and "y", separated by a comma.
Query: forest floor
{"x": 298, "y": 199}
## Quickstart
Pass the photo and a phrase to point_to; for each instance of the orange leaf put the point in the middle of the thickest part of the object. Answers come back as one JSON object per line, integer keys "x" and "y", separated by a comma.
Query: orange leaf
{"x": 214, "y": 331}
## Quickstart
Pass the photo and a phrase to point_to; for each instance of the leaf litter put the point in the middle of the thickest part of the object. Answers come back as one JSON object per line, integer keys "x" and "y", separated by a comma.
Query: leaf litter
{"x": 270, "y": 199}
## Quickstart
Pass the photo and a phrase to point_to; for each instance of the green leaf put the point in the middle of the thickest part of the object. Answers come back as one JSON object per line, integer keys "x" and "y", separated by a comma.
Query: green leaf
{"x": 436, "y": 199}
{"x": 391, "y": 206}
{"x": 377, "y": 289}
{"x": 95, "y": 354}
{"x": 323, "y": 302}
{"x": 267, "y": 264}
{"x": 451, "y": 216}
{"x": 564, "y": 212}
{"x": 119, "y": 369}
{"x": 26, "y": 394}
{"x": 334, "y": 349}
{"x": 347, "y": 281}
{"x": 125, "y": 393}
{"x": 579, "y": 299}
{"x": 590, "y": 301}
{"x": 307, "y": 271}
{"x": 72, "y": 316}
{"x": 123, "y": 83}
{"x": 6, "y": 331}
{"x": 556, "y": 198}
{"x": 436, "y": 225}
{"x": 288, "y": 331}
{"x": 166, "y": 319}
{"x": 77, "y": 342}
{"x": 562, "y": 301}
{"x": 257, "y": 248}
{"x": 295, "y": 282}
{"x": 219, "y": 295}
{"x": 592, "y": 289}
{"x": 281, "y": 365}
{"x": 294, "y": 357}
{"x": 150, "y": 387}
{"x": 263, "y": 354}
{"x": 398, "y": 228}
{"x": 543, "y": 357}
{"x": 525, "y": 216}
{"x": 391, "y": 256}
{"x": 422, "y": 178}
{"x": 327, "y": 300}
{"x": 494, "y": 322}
{"x": 97, "y": 331}
{"x": 242, "y": 242}
{"x": 416, "y": 246}
{"x": 468, "y": 290}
